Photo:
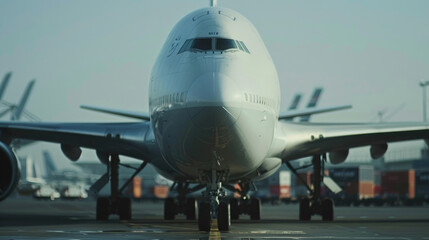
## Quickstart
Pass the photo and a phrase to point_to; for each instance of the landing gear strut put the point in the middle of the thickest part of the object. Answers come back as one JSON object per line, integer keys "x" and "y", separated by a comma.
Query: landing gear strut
{"x": 315, "y": 205}
{"x": 115, "y": 203}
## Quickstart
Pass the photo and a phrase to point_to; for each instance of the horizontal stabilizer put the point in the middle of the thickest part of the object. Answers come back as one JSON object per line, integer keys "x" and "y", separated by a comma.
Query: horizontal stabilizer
{"x": 310, "y": 111}
{"x": 123, "y": 113}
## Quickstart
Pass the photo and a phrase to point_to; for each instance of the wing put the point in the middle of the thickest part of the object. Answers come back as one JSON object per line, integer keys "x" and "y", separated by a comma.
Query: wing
{"x": 130, "y": 114}
{"x": 134, "y": 139}
{"x": 309, "y": 111}
{"x": 297, "y": 140}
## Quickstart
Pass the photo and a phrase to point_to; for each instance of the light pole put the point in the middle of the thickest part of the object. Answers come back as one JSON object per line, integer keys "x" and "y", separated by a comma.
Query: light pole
{"x": 423, "y": 84}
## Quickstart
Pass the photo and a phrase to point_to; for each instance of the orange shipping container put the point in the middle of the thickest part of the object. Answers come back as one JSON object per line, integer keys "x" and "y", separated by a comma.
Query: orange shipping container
{"x": 366, "y": 189}
{"x": 137, "y": 187}
{"x": 160, "y": 191}
{"x": 284, "y": 192}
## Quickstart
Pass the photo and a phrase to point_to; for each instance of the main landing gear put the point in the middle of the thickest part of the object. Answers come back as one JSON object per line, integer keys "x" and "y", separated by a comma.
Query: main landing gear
{"x": 245, "y": 204}
{"x": 115, "y": 203}
{"x": 315, "y": 205}
{"x": 182, "y": 205}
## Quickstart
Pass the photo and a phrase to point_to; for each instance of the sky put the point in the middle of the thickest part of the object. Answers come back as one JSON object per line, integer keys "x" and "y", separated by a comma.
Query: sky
{"x": 370, "y": 54}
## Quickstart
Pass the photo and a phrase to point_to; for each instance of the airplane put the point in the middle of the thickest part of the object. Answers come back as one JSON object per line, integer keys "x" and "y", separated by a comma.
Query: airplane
{"x": 214, "y": 121}
{"x": 17, "y": 110}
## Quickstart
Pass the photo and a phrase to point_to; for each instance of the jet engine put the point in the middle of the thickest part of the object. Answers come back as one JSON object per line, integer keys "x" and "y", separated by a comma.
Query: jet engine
{"x": 378, "y": 150}
{"x": 338, "y": 156}
{"x": 73, "y": 153}
{"x": 9, "y": 171}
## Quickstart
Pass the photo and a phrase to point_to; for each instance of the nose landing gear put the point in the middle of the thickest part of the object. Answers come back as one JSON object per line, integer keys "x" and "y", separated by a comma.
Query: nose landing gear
{"x": 215, "y": 206}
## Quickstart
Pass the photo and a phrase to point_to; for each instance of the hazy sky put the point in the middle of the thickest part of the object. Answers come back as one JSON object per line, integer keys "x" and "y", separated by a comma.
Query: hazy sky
{"x": 370, "y": 54}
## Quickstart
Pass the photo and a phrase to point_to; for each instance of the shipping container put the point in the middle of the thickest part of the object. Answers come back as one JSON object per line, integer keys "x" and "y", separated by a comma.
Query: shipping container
{"x": 137, "y": 187}
{"x": 280, "y": 184}
{"x": 422, "y": 184}
{"x": 398, "y": 184}
{"x": 356, "y": 182}
{"x": 160, "y": 191}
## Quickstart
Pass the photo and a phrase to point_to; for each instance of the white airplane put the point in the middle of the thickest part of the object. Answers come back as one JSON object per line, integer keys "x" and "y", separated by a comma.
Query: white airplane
{"x": 214, "y": 120}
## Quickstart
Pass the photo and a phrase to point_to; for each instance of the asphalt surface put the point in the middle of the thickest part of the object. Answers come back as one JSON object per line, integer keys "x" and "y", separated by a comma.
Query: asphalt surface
{"x": 60, "y": 219}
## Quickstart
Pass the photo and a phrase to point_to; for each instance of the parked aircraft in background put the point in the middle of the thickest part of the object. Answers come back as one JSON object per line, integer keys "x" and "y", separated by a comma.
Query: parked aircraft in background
{"x": 31, "y": 178}
{"x": 16, "y": 110}
{"x": 215, "y": 121}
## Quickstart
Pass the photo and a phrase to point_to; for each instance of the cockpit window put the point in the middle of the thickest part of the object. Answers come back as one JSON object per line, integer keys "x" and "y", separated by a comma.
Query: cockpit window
{"x": 185, "y": 46}
{"x": 223, "y": 44}
{"x": 212, "y": 44}
{"x": 239, "y": 46}
{"x": 244, "y": 46}
{"x": 203, "y": 44}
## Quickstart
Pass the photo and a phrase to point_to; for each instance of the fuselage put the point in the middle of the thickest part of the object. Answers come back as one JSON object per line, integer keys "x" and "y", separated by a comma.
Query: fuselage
{"x": 214, "y": 97}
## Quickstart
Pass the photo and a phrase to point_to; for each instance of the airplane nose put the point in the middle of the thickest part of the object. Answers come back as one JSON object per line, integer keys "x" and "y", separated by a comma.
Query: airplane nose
{"x": 214, "y": 100}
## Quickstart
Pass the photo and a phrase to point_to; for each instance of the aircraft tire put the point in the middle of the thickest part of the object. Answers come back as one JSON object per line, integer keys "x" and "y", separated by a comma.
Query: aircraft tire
{"x": 255, "y": 209}
{"x": 235, "y": 211}
{"x": 191, "y": 209}
{"x": 204, "y": 217}
{"x": 124, "y": 208}
{"x": 103, "y": 208}
{"x": 304, "y": 210}
{"x": 169, "y": 209}
{"x": 327, "y": 209}
{"x": 224, "y": 216}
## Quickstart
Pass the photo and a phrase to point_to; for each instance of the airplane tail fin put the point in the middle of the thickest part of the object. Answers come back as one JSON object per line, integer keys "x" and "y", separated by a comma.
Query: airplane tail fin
{"x": 312, "y": 103}
{"x": 20, "y": 108}
{"x": 49, "y": 162}
{"x": 295, "y": 102}
{"x": 4, "y": 84}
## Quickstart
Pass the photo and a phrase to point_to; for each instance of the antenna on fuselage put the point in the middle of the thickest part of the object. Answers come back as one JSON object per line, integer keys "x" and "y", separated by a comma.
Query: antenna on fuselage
{"x": 213, "y": 3}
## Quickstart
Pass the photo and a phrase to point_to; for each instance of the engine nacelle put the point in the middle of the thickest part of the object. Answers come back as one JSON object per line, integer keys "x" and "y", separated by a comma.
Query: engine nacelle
{"x": 9, "y": 171}
{"x": 338, "y": 156}
{"x": 103, "y": 157}
{"x": 378, "y": 150}
{"x": 73, "y": 153}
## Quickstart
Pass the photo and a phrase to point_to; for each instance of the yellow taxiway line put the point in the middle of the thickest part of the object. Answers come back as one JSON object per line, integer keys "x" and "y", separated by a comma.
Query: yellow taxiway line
{"x": 214, "y": 231}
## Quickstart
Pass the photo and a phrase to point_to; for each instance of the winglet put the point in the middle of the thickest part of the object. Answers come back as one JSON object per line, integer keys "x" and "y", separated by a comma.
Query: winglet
{"x": 136, "y": 115}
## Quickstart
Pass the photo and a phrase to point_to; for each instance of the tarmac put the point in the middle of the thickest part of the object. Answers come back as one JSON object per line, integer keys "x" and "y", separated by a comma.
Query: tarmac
{"x": 25, "y": 218}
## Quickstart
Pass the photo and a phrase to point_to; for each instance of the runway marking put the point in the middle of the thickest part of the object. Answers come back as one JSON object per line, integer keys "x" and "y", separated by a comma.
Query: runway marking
{"x": 333, "y": 237}
{"x": 214, "y": 231}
